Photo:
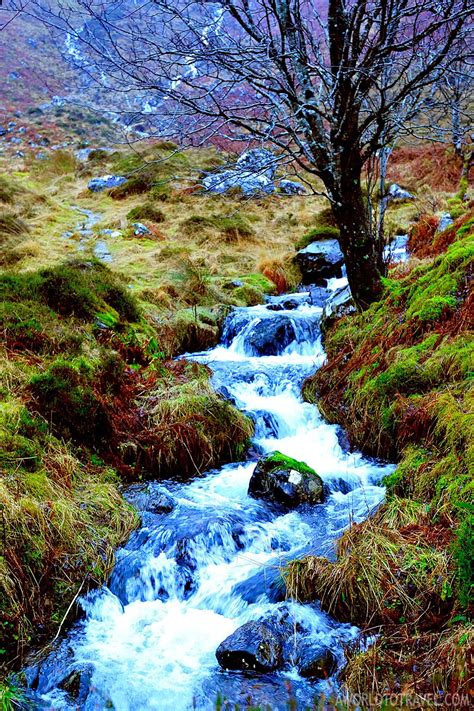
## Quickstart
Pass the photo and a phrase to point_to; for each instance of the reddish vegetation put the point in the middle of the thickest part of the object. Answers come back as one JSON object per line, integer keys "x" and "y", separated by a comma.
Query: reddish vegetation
{"x": 423, "y": 239}
{"x": 276, "y": 273}
{"x": 428, "y": 164}
{"x": 421, "y": 236}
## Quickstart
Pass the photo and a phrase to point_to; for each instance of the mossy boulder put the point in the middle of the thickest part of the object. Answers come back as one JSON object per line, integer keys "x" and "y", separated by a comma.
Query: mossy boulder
{"x": 285, "y": 481}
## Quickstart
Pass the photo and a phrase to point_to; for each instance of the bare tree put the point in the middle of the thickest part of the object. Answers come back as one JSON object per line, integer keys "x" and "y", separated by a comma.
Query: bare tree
{"x": 329, "y": 84}
{"x": 456, "y": 87}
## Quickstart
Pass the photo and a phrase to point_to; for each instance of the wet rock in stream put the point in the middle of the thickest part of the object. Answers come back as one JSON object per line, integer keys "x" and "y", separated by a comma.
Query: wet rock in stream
{"x": 255, "y": 646}
{"x": 272, "y": 336}
{"x": 315, "y": 662}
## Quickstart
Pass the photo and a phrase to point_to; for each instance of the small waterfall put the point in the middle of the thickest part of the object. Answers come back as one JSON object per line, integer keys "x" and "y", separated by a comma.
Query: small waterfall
{"x": 194, "y": 573}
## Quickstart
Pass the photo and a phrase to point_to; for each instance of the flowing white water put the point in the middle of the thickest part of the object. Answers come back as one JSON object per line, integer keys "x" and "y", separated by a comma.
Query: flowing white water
{"x": 190, "y": 577}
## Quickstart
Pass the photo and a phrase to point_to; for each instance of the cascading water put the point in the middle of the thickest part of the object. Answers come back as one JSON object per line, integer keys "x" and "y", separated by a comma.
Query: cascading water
{"x": 207, "y": 556}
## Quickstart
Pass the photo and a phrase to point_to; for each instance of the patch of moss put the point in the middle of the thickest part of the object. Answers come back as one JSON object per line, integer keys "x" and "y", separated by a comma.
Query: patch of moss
{"x": 79, "y": 289}
{"x": 248, "y": 295}
{"x": 317, "y": 233}
{"x": 147, "y": 211}
{"x": 277, "y": 460}
{"x": 65, "y": 397}
{"x": 260, "y": 282}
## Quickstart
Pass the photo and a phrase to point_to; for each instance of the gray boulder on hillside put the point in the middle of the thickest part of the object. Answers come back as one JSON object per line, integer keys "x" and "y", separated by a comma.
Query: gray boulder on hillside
{"x": 285, "y": 481}
{"x": 291, "y": 187}
{"x": 320, "y": 260}
{"x": 249, "y": 183}
{"x": 105, "y": 182}
{"x": 253, "y": 174}
{"x": 395, "y": 192}
{"x": 257, "y": 160}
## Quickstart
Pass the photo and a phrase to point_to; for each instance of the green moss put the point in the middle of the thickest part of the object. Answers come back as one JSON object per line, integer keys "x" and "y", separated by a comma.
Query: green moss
{"x": 400, "y": 482}
{"x": 65, "y": 397}
{"x": 317, "y": 233}
{"x": 80, "y": 289}
{"x": 260, "y": 282}
{"x": 147, "y": 211}
{"x": 277, "y": 460}
{"x": 464, "y": 556}
{"x": 248, "y": 295}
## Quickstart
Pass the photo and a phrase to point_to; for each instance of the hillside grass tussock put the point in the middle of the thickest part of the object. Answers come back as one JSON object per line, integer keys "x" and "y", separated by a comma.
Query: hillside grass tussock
{"x": 399, "y": 379}
{"x": 90, "y": 402}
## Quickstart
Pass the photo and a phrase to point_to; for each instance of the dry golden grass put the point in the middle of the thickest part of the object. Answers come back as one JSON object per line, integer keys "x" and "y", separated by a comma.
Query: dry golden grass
{"x": 248, "y": 236}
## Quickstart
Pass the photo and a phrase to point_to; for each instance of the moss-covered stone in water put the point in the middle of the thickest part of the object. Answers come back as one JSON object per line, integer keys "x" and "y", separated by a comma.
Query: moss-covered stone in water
{"x": 286, "y": 481}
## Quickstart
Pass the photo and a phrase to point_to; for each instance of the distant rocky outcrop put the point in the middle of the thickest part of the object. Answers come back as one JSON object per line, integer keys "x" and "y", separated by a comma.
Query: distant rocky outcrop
{"x": 285, "y": 481}
{"x": 252, "y": 174}
{"x": 105, "y": 182}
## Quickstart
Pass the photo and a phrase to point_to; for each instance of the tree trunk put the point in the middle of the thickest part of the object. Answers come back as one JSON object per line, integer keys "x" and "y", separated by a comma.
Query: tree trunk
{"x": 361, "y": 248}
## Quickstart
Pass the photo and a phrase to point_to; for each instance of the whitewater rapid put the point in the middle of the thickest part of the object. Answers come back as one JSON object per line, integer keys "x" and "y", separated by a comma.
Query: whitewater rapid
{"x": 189, "y": 577}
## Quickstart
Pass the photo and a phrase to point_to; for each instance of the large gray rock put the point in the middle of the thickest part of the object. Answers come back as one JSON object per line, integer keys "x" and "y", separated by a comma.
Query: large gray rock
{"x": 257, "y": 160}
{"x": 395, "y": 192}
{"x": 338, "y": 305}
{"x": 291, "y": 187}
{"x": 105, "y": 182}
{"x": 249, "y": 183}
{"x": 320, "y": 260}
{"x": 272, "y": 336}
{"x": 285, "y": 481}
{"x": 253, "y": 174}
{"x": 255, "y": 646}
